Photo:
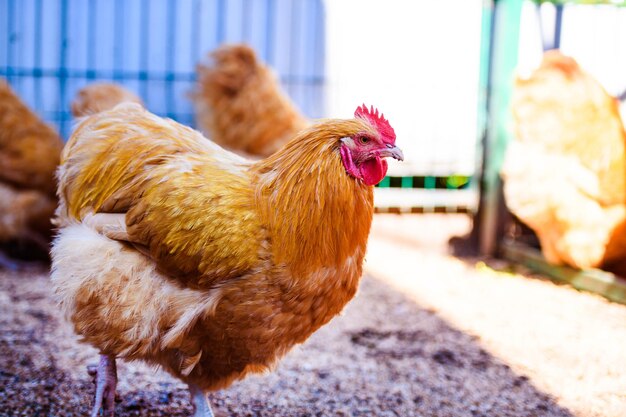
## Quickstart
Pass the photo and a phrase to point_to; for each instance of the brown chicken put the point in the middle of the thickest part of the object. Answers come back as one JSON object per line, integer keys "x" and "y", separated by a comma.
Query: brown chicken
{"x": 565, "y": 172}
{"x": 29, "y": 154}
{"x": 179, "y": 253}
{"x": 98, "y": 97}
{"x": 240, "y": 105}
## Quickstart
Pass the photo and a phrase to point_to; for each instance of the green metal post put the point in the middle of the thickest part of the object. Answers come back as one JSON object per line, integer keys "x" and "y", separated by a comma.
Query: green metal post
{"x": 500, "y": 67}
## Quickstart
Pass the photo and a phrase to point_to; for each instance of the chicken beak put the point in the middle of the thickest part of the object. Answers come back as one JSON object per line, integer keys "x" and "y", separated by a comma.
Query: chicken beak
{"x": 392, "y": 151}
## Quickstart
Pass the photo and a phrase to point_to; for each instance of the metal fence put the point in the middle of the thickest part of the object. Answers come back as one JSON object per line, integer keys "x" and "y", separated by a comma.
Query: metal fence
{"x": 52, "y": 48}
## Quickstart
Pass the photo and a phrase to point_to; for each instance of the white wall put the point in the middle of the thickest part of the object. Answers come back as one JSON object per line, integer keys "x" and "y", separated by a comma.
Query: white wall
{"x": 594, "y": 35}
{"x": 418, "y": 62}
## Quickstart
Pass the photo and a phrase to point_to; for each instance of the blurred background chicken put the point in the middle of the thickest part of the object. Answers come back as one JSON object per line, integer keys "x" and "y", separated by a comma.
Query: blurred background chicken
{"x": 29, "y": 155}
{"x": 98, "y": 97}
{"x": 240, "y": 105}
{"x": 202, "y": 262}
{"x": 564, "y": 174}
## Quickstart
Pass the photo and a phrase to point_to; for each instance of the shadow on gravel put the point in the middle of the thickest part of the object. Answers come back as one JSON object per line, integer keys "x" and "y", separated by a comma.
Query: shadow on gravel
{"x": 386, "y": 356}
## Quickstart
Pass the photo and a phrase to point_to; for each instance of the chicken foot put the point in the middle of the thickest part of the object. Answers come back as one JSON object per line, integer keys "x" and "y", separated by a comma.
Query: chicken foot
{"x": 201, "y": 405}
{"x": 106, "y": 381}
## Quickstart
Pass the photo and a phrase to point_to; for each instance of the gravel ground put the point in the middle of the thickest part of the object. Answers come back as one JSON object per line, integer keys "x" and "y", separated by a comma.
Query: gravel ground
{"x": 427, "y": 335}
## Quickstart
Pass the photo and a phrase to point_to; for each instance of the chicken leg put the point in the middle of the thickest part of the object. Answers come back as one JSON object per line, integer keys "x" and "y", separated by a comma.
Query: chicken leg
{"x": 200, "y": 402}
{"x": 106, "y": 380}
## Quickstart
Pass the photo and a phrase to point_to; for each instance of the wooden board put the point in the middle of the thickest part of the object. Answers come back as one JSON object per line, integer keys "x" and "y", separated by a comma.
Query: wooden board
{"x": 597, "y": 281}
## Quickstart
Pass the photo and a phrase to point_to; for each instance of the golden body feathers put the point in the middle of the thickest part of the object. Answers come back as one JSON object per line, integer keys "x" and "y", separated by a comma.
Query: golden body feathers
{"x": 224, "y": 264}
{"x": 240, "y": 105}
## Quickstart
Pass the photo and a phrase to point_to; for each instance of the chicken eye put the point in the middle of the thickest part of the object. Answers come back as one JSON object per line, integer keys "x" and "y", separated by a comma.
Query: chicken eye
{"x": 364, "y": 140}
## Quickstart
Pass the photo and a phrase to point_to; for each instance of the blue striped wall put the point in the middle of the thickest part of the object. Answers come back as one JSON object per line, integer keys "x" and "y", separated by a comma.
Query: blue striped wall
{"x": 49, "y": 49}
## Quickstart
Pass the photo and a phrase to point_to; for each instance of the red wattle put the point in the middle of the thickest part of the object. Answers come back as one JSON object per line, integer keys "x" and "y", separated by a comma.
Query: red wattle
{"x": 373, "y": 170}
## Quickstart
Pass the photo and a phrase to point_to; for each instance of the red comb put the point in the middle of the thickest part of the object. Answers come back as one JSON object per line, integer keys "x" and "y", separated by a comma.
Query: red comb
{"x": 378, "y": 121}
